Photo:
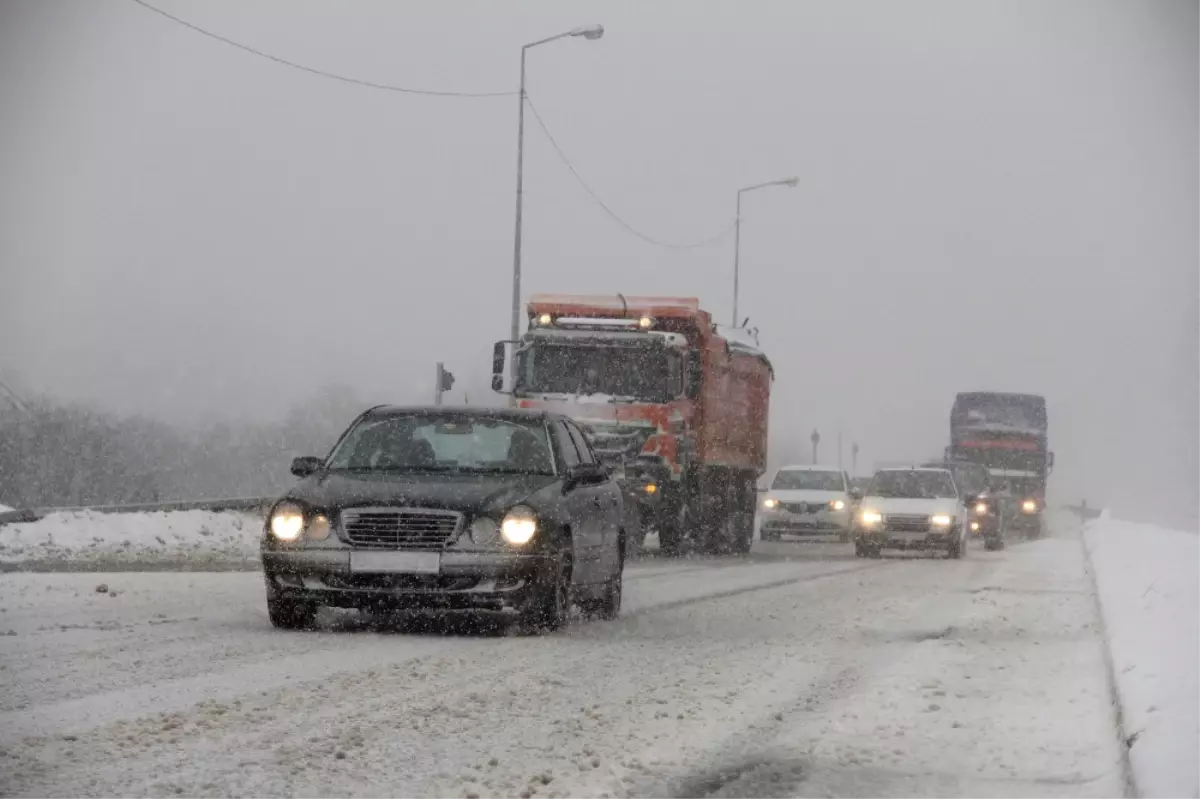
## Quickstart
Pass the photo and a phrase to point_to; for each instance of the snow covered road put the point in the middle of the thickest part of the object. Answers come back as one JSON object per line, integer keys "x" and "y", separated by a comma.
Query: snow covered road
{"x": 801, "y": 671}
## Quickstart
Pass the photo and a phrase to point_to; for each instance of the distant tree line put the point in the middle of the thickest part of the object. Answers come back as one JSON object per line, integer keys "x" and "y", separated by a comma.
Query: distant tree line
{"x": 56, "y": 454}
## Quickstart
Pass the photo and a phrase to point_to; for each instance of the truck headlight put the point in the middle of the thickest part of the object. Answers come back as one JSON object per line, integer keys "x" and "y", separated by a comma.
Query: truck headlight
{"x": 519, "y": 525}
{"x": 869, "y": 517}
{"x": 287, "y": 521}
{"x": 770, "y": 503}
{"x": 1029, "y": 506}
{"x": 837, "y": 504}
{"x": 981, "y": 508}
{"x": 941, "y": 520}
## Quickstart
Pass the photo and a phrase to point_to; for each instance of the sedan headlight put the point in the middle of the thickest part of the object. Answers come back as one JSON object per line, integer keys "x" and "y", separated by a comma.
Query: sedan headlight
{"x": 770, "y": 503}
{"x": 869, "y": 517}
{"x": 941, "y": 520}
{"x": 287, "y": 521}
{"x": 519, "y": 526}
{"x": 837, "y": 504}
{"x": 1029, "y": 506}
{"x": 318, "y": 527}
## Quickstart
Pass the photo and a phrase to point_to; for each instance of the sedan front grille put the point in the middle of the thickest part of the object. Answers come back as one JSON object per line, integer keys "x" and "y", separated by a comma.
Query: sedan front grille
{"x": 803, "y": 507}
{"x": 401, "y": 528}
{"x": 907, "y": 523}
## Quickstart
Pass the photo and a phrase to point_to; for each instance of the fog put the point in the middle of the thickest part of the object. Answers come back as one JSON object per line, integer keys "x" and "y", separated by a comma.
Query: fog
{"x": 992, "y": 196}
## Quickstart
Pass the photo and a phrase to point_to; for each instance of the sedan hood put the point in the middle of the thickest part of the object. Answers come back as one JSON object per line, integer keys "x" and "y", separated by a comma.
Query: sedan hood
{"x": 806, "y": 495}
{"x": 911, "y": 506}
{"x": 471, "y": 493}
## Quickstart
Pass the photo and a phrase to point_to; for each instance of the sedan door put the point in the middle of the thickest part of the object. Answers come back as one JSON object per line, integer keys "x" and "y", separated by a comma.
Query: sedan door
{"x": 582, "y": 510}
{"x": 605, "y": 496}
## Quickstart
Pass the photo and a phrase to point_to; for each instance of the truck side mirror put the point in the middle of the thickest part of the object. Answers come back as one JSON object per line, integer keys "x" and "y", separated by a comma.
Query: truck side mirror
{"x": 498, "y": 362}
{"x": 1049, "y": 461}
{"x": 693, "y": 376}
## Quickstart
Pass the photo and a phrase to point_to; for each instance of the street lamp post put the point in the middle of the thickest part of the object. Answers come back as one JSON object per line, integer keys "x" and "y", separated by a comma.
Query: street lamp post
{"x": 587, "y": 32}
{"x": 737, "y": 233}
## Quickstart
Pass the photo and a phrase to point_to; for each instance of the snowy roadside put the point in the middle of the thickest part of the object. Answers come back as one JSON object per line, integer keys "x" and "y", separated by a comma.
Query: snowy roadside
{"x": 191, "y": 540}
{"x": 1146, "y": 579}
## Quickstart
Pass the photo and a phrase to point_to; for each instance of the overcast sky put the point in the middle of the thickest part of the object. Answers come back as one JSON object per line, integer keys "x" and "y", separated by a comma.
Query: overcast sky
{"x": 993, "y": 196}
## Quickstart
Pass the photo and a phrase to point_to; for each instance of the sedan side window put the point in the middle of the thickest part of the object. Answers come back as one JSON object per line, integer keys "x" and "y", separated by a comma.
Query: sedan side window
{"x": 566, "y": 446}
{"x": 581, "y": 444}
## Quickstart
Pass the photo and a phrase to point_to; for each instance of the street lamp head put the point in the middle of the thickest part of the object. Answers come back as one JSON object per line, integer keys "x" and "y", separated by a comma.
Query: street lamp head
{"x": 589, "y": 31}
{"x": 791, "y": 183}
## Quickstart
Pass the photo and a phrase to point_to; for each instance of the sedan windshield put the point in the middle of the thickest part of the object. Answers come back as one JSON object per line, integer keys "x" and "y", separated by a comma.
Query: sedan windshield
{"x": 445, "y": 442}
{"x": 912, "y": 484}
{"x": 808, "y": 480}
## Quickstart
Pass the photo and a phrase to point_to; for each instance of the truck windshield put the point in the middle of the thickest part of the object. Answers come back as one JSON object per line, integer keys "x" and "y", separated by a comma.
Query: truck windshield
{"x": 642, "y": 373}
{"x": 1002, "y": 459}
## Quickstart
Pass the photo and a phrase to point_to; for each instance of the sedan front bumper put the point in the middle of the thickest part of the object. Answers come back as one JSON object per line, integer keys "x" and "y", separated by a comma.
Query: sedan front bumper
{"x": 481, "y": 581}
{"x": 788, "y": 523}
{"x": 893, "y": 539}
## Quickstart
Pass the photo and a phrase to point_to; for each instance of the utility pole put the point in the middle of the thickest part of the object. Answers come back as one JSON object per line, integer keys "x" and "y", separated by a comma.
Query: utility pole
{"x": 854, "y": 459}
{"x": 816, "y": 439}
{"x": 839, "y": 445}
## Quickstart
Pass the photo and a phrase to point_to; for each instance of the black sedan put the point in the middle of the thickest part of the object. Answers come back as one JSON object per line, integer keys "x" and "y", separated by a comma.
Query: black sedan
{"x": 430, "y": 509}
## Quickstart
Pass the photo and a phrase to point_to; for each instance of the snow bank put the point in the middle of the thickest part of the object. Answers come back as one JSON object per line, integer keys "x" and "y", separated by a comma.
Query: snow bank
{"x": 192, "y": 539}
{"x": 4, "y": 508}
{"x": 1146, "y": 578}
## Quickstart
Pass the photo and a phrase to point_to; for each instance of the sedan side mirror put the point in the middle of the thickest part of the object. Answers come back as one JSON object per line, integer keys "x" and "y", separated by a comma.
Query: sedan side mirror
{"x": 303, "y": 467}
{"x": 585, "y": 473}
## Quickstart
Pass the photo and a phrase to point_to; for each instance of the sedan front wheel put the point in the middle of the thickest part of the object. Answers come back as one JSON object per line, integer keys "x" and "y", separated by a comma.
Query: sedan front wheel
{"x": 549, "y": 604}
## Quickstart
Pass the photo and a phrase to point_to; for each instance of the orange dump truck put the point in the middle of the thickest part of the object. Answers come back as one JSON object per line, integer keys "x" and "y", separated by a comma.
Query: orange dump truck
{"x": 674, "y": 404}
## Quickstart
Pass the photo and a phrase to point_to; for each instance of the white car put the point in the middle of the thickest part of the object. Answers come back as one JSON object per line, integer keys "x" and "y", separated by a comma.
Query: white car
{"x": 806, "y": 500}
{"x": 911, "y": 509}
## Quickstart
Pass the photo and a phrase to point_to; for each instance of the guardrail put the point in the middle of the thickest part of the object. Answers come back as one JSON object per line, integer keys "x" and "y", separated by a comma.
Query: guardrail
{"x": 215, "y": 505}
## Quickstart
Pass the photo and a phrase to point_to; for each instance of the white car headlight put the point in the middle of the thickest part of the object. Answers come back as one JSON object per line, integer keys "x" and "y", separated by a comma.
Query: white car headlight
{"x": 519, "y": 525}
{"x": 941, "y": 520}
{"x": 869, "y": 517}
{"x": 837, "y": 504}
{"x": 770, "y": 503}
{"x": 287, "y": 521}
{"x": 483, "y": 531}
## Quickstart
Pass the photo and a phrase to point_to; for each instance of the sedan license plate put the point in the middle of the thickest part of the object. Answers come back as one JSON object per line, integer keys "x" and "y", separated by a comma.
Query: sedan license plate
{"x": 908, "y": 537}
{"x": 396, "y": 562}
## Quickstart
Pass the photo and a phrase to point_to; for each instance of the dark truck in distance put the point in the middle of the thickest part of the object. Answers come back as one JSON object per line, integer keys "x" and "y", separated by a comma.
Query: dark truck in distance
{"x": 1007, "y": 434}
{"x": 433, "y": 509}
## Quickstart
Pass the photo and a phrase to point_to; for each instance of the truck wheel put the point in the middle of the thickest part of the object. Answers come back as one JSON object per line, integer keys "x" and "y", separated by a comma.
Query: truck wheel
{"x": 290, "y": 614}
{"x": 993, "y": 543}
{"x": 671, "y": 524}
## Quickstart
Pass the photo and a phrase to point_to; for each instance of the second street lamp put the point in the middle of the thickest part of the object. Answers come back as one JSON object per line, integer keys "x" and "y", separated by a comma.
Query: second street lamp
{"x": 590, "y": 32}
{"x": 791, "y": 183}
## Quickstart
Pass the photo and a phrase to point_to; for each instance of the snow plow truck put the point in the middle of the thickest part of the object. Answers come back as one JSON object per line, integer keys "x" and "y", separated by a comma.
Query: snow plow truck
{"x": 673, "y": 404}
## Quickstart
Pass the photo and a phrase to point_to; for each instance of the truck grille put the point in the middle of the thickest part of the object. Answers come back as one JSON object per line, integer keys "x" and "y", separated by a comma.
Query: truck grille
{"x": 907, "y": 523}
{"x": 400, "y": 528}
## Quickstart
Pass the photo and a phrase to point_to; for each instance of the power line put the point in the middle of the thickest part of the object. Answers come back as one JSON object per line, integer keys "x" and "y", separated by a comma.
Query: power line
{"x": 604, "y": 206}
{"x": 311, "y": 70}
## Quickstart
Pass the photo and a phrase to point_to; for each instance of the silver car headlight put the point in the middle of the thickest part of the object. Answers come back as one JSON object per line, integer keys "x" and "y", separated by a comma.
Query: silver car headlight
{"x": 941, "y": 520}
{"x": 869, "y": 517}
{"x": 287, "y": 521}
{"x": 519, "y": 525}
